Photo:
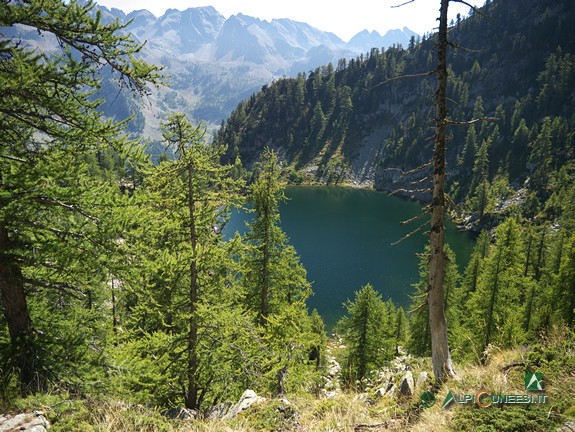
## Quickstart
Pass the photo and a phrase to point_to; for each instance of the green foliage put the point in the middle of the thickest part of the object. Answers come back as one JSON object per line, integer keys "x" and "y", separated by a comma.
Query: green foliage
{"x": 329, "y": 116}
{"x": 58, "y": 166}
{"x": 186, "y": 339}
{"x": 271, "y": 416}
{"x": 368, "y": 332}
{"x": 419, "y": 341}
{"x": 274, "y": 284}
{"x": 508, "y": 419}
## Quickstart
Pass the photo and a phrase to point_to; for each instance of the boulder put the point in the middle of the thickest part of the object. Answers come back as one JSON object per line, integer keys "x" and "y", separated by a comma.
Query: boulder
{"x": 248, "y": 398}
{"x": 218, "y": 411}
{"x": 391, "y": 390}
{"x": 567, "y": 427}
{"x": 421, "y": 379}
{"x": 28, "y": 422}
{"x": 180, "y": 413}
{"x": 406, "y": 386}
{"x": 330, "y": 394}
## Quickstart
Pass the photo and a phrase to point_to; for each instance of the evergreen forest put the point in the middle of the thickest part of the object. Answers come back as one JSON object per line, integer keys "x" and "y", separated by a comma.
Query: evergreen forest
{"x": 122, "y": 300}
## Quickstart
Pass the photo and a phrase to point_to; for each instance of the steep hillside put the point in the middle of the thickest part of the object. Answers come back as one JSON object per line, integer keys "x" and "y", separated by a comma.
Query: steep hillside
{"x": 357, "y": 122}
{"x": 214, "y": 62}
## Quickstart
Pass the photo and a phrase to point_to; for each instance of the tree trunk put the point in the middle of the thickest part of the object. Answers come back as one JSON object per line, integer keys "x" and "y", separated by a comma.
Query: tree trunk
{"x": 265, "y": 288}
{"x": 441, "y": 359}
{"x": 191, "y": 399}
{"x": 13, "y": 301}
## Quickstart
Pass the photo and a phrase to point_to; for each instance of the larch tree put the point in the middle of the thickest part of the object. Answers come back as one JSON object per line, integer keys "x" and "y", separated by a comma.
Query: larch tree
{"x": 369, "y": 333}
{"x": 274, "y": 276}
{"x": 274, "y": 280}
{"x": 198, "y": 200}
{"x": 48, "y": 225}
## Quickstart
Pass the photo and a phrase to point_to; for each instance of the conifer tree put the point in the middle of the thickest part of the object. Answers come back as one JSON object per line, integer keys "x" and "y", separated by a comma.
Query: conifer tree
{"x": 495, "y": 307}
{"x": 274, "y": 276}
{"x": 368, "y": 332}
{"x": 274, "y": 280}
{"x": 441, "y": 358}
{"x": 48, "y": 223}
{"x": 187, "y": 302}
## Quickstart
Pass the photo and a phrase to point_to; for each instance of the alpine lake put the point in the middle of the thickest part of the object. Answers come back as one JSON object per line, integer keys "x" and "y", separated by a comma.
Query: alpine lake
{"x": 345, "y": 237}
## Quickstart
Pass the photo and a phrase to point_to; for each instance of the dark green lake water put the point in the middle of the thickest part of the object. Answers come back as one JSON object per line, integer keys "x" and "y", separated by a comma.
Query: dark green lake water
{"x": 344, "y": 236}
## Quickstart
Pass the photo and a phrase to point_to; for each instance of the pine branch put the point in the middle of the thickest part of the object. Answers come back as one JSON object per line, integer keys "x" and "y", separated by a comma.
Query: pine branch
{"x": 63, "y": 287}
{"x": 71, "y": 207}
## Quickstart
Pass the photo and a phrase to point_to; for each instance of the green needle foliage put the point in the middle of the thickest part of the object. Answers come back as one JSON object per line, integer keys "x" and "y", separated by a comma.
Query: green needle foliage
{"x": 185, "y": 324}
{"x": 274, "y": 281}
{"x": 370, "y": 332}
{"x": 52, "y": 234}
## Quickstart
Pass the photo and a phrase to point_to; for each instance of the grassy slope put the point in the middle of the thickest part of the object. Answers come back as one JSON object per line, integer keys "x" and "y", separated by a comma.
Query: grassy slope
{"x": 353, "y": 411}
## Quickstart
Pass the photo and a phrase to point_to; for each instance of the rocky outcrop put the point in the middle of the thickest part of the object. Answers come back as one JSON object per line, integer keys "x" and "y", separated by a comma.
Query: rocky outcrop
{"x": 567, "y": 427}
{"x": 180, "y": 413}
{"x": 228, "y": 410}
{"x": 406, "y": 384}
{"x": 28, "y": 422}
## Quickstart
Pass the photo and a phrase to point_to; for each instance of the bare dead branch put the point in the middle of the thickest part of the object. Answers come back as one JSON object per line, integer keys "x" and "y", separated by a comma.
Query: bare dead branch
{"x": 450, "y": 201}
{"x": 419, "y": 168}
{"x": 477, "y": 11}
{"x": 420, "y": 75}
{"x": 411, "y": 233}
{"x": 410, "y": 191}
{"x": 462, "y": 48}
{"x": 403, "y": 4}
{"x": 470, "y": 122}
{"x": 14, "y": 158}
{"x": 420, "y": 307}
{"x": 413, "y": 219}
{"x": 421, "y": 180}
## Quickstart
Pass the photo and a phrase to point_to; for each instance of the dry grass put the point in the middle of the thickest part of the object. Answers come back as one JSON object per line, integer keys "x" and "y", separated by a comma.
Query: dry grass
{"x": 347, "y": 411}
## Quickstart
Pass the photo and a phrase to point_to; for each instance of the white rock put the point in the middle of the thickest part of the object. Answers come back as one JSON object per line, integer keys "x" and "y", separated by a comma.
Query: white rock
{"x": 248, "y": 398}
{"x": 28, "y": 422}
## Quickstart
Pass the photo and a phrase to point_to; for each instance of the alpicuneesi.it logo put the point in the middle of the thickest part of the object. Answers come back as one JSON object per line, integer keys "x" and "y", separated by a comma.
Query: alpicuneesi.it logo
{"x": 484, "y": 398}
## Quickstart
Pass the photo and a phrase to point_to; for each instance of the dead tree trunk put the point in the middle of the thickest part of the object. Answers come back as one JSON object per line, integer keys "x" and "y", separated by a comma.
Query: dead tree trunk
{"x": 441, "y": 359}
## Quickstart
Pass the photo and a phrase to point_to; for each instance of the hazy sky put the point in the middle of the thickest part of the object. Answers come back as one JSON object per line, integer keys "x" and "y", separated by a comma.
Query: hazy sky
{"x": 344, "y": 18}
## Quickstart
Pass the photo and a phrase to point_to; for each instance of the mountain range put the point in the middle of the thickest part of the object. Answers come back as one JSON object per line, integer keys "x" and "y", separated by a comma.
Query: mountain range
{"x": 512, "y": 64}
{"x": 215, "y": 62}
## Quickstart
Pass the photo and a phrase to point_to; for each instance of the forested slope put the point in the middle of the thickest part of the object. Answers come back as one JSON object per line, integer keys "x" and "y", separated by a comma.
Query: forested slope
{"x": 514, "y": 62}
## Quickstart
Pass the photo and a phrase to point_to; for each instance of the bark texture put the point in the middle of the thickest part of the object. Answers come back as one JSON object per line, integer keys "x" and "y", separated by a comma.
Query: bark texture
{"x": 441, "y": 359}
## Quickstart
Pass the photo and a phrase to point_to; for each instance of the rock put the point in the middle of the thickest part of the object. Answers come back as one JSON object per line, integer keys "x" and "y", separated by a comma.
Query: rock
{"x": 180, "y": 413}
{"x": 28, "y": 422}
{"x": 421, "y": 379}
{"x": 391, "y": 390}
{"x": 248, "y": 398}
{"x": 218, "y": 411}
{"x": 330, "y": 394}
{"x": 334, "y": 370}
{"x": 567, "y": 427}
{"x": 406, "y": 386}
